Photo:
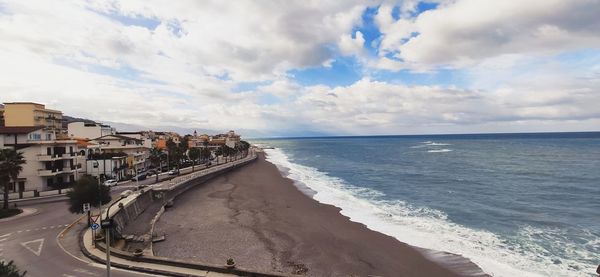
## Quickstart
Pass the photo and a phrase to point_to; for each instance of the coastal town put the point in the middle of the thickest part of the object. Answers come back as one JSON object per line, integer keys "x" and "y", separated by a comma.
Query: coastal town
{"x": 57, "y": 153}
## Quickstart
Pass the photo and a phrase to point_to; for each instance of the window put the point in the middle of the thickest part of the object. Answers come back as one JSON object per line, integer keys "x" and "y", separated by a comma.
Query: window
{"x": 35, "y": 136}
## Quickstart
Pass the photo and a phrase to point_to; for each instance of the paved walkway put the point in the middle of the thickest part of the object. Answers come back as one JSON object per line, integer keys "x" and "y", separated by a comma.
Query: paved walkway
{"x": 87, "y": 243}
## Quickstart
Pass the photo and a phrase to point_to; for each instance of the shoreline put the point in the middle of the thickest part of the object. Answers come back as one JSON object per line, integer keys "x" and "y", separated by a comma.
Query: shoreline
{"x": 261, "y": 219}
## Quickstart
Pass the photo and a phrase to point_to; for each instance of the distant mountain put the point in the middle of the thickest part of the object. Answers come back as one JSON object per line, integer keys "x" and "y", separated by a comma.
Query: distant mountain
{"x": 126, "y": 127}
{"x": 68, "y": 119}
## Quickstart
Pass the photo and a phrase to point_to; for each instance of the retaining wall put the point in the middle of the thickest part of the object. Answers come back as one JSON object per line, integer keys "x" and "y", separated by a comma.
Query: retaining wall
{"x": 151, "y": 199}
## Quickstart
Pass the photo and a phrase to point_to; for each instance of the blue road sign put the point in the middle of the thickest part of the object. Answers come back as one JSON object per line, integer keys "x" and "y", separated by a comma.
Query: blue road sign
{"x": 95, "y": 226}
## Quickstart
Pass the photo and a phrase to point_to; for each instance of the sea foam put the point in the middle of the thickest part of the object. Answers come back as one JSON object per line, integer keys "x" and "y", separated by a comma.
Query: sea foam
{"x": 424, "y": 227}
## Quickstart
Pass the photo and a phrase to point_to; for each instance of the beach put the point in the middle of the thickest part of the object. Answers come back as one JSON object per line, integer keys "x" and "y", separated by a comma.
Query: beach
{"x": 259, "y": 218}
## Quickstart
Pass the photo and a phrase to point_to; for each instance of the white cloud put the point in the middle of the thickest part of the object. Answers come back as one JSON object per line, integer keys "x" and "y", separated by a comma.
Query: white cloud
{"x": 183, "y": 71}
{"x": 464, "y": 32}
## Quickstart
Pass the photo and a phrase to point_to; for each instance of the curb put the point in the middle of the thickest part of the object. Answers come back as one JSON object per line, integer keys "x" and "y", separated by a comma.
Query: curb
{"x": 62, "y": 233}
{"x": 24, "y": 213}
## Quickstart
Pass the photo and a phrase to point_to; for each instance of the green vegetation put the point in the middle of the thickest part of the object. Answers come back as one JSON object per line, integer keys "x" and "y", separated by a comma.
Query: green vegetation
{"x": 9, "y": 212}
{"x": 10, "y": 270}
{"x": 87, "y": 190}
{"x": 156, "y": 157}
{"x": 194, "y": 155}
{"x": 11, "y": 163}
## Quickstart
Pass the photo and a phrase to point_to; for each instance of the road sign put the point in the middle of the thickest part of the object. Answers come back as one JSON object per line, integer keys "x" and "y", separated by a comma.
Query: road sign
{"x": 95, "y": 226}
{"x": 94, "y": 218}
{"x": 107, "y": 223}
{"x": 86, "y": 207}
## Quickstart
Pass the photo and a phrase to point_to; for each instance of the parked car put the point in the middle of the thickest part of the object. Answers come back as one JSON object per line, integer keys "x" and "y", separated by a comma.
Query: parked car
{"x": 110, "y": 183}
{"x": 174, "y": 172}
{"x": 139, "y": 177}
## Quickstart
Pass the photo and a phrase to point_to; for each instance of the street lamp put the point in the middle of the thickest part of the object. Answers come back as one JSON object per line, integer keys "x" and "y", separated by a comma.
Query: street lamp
{"x": 107, "y": 224}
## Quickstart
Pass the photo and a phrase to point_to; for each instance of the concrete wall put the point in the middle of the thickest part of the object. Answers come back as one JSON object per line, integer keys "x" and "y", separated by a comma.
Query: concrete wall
{"x": 136, "y": 204}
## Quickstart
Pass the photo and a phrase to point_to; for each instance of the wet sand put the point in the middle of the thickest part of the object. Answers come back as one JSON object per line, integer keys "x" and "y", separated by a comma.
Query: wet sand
{"x": 265, "y": 223}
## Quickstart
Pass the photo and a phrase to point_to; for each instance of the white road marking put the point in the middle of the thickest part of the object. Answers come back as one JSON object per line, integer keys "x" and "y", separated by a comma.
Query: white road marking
{"x": 81, "y": 270}
{"x": 27, "y": 230}
{"x": 67, "y": 275}
{"x": 5, "y": 235}
{"x": 19, "y": 231}
{"x": 39, "y": 248}
{"x": 3, "y": 239}
{"x": 43, "y": 228}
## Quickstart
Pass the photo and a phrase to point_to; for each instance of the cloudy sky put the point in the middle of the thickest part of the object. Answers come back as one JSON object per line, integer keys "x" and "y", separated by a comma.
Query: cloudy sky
{"x": 294, "y": 68}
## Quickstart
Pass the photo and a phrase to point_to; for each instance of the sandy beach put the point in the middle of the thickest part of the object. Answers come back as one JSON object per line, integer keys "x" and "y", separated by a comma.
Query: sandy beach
{"x": 265, "y": 223}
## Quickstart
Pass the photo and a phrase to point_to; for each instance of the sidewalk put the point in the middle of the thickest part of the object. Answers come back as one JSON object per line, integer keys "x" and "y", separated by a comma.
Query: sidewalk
{"x": 99, "y": 256}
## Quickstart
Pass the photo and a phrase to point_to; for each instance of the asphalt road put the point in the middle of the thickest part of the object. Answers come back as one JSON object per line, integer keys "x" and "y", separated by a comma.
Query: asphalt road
{"x": 121, "y": 186}
{"x": 32, "y": 241}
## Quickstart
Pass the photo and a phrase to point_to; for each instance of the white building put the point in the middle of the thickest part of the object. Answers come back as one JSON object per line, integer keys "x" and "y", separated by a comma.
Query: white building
{"x": 137, "y": 154}
{"x": 107, "y": 166}
{"x": 89, "y": 130}
{"x": 50, "y": 163}
{"x": 146, "y": 137}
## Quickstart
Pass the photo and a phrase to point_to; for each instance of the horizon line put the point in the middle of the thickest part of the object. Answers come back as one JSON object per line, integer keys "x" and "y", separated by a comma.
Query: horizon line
{"x": 420, "y": 135}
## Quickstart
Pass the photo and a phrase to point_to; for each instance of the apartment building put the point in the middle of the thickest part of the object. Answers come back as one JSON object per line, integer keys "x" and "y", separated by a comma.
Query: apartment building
{"x": 1, "y": 115}
{"x": 50, "y": 163}
{"x": 107, "y": 165}
{"x": 89, "y": 130}
{"x": 146, "y": 136}
{"x": 137, "y": 153}
{"x": 22, "y": 114}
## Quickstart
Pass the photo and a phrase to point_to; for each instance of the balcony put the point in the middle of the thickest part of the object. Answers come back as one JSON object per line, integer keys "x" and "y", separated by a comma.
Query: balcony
{"x": 54, "y": 157}
{"x": 55, "y": 171}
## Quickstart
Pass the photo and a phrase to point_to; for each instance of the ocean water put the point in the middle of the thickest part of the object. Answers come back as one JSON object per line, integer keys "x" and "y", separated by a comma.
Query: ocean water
{"x": 515, "y": 204}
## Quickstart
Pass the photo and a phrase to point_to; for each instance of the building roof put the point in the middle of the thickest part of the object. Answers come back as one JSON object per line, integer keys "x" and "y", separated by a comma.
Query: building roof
{"x": 28, "y": 103}
{"x": 19, "y": 129}
{"x": 131, "y": 133}
{"x": 118, "y": 137}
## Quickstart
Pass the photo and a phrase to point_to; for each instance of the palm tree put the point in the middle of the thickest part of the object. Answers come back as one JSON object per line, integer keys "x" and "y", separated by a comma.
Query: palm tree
{"x": 156, "y": 155}
{"x": 11, "y": 163}
{"x": 194, "y": 154}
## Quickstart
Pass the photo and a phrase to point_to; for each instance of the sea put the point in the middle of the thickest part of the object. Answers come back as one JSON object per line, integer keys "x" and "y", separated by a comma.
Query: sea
{"x": 514, "y": 204}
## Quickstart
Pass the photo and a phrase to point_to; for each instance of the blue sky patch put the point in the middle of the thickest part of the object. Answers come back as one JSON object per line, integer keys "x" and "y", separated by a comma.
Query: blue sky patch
{"x": 423, "y": 7}
{"x": 344, "y": 71}
{"x": 248, "y": 86}
{"x": 442, "y": 77}
{"x": 369, "y": 29}
{"x": 137, "y": 20}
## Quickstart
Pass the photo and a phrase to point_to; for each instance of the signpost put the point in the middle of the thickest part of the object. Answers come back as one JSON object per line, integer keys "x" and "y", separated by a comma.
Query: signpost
{"x": 86, "y": 209}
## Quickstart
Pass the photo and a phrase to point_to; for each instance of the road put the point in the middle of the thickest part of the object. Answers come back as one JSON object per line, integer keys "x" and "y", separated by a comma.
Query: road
{"x": 32, "y": 243}
{"x": 122, "y": 186}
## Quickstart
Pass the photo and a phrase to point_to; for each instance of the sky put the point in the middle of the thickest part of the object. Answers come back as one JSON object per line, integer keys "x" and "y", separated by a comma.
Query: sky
{"x": 306, "y": 68}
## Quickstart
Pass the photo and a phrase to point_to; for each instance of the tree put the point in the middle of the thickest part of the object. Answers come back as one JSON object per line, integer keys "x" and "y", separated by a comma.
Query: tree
{"x": 171, "y": 148}
{"x": 11, "y": 163}
{"x": 10, "y": 270}
{"x": 205, "y": 153}
{"x": 194, "y": 154}
{"x": 87, "y": 190}
{"x": 156, "y": 155}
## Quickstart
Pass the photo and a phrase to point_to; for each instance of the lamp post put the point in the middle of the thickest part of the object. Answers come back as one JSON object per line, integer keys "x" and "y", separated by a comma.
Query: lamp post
{"x": 107, "y": 223}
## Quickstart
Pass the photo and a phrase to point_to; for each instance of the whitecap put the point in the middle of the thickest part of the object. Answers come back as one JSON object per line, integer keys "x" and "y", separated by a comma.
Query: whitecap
{"x": 428, "y": 228}
{"x": 439, "y": 150}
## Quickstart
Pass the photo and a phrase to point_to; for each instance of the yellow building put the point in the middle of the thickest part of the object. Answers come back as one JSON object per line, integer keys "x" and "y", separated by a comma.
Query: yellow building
{"x": 28, "y": 114}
